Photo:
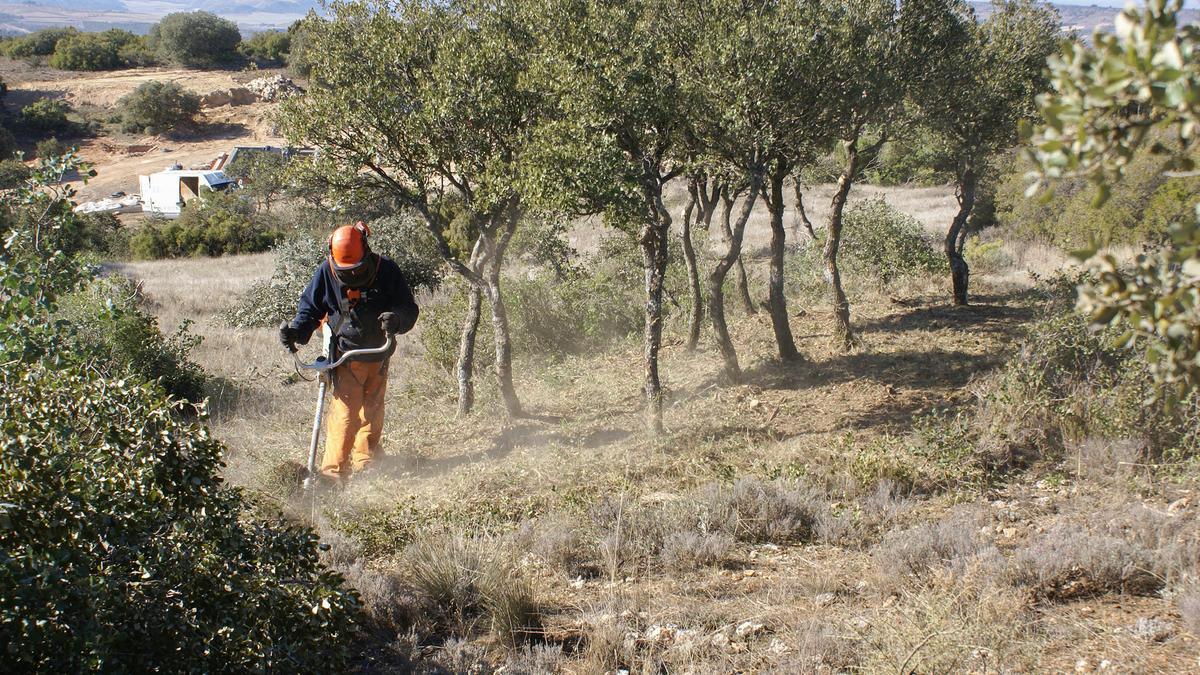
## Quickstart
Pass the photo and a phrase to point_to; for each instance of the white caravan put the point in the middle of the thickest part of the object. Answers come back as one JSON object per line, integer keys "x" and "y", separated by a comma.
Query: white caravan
{"x": 164, "y": 193}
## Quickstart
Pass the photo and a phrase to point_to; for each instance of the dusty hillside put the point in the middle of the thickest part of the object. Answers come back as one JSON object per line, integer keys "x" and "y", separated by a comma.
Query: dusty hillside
{"x": 120, "y": 158}
{"x": 896, "y": 561}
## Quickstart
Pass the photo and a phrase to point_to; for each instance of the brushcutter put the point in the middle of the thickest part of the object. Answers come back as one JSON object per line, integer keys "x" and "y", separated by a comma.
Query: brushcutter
{"x": 324, "y": 368}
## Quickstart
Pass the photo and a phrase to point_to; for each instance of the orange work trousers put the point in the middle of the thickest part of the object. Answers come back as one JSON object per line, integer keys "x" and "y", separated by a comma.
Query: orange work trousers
{"x": 355, "y": 418}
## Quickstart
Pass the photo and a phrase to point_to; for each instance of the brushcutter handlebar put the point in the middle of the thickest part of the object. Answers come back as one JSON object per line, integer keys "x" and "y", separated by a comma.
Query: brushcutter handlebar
{"x": 322, "y": 363}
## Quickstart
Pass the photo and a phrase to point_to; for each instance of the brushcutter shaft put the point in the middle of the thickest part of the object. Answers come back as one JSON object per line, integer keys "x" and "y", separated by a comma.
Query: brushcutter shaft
{"x": 316, "y": 432}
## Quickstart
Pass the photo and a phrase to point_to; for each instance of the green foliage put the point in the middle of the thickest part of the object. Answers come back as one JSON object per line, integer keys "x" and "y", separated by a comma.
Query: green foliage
{"x": 986, "y": 77}
{"x": 124, "y": 340}
{"x": 1158, "y": 306}
{"x": 592, "y": 305}
{"x": 49, "y": 147}
{"x": 219, "y": 223}
{"x": 123, "y": 548}
{"x": 880, "y": 244}
{"x": 46, "y": 115}
{"x": 917, "y": 157}
{"x": 195, "y": 39}
{"x": 400, "y": 237}
{"x": 156, "y": 107}
{"x": 8, "y": 144}
{"x": 38, "y": 43}
{"x": 299, "y": 54}
{"x": 1108, "y": 101}
{"x": 13, "y": 172}
{"x": 1139, "y": 209}
{"x": 93, "y": 51}
{"x": 267, "y": 46}
{"x": 263, "y": 175}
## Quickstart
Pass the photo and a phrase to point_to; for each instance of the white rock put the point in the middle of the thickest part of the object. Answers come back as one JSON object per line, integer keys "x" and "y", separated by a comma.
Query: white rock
{"x": 749, "y": 629}
{"x": 719, "y": 641}
{"x": 778, "y": 647}
{"x": 824, "y": 599}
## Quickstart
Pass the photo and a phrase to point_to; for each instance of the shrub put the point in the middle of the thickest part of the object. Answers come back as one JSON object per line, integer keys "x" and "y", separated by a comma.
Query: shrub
{"x": 195, "y": 39}
{"x": 1140, "y": 209}
{"x": 775, "y": 512}
{"x": 92, "y": 51}
{"x": 50, "y": 147}
{"x": 8, "y": 144}
{"x": 39, "y": 43}
{"x": 123, "y": 548}
{"x": 593, "y": 305}
{"x": 461, "y": 580}
{"x": 1070, "y": 562}
{"x": 13, "y": 172}
{"x": 156, "y": 107}
{"x": 923, "y": 550}
{"x": 137, "y": 53}
{"x": 127, "y": 340}
{"x": 400, "y": 237}
{"x": 219, "y": 223}
{"x": 46, "y": 115}
{"x": 879, "y": 243}
{"x": 918, "y": 157}
{"x": 267, "y": 46}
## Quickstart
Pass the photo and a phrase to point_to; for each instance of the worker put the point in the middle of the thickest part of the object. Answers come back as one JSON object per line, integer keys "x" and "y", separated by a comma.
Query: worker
{"x": 362, "y": 296}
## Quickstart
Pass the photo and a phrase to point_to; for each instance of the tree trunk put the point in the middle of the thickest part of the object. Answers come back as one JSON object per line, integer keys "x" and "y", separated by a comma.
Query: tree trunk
{"x": 696, "y": 313}
{"x": 960, "y": 273}
{"x": 833, "y": 239}
{"x": 716, "y": 282}
{"x": 740, "y": 280}
{"x": 466, "y": 351}
{"x": 776, "y": 299}
{"x": 496, "y": 248}
{"x": 653, "y": 240}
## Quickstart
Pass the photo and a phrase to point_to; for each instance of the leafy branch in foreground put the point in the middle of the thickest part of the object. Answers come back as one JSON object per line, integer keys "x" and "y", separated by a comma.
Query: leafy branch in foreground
{"x": 1104, "y": 103}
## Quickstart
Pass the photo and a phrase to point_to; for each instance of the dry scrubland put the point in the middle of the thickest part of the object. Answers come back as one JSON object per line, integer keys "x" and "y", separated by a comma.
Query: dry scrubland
{"x": 811, "y": 519}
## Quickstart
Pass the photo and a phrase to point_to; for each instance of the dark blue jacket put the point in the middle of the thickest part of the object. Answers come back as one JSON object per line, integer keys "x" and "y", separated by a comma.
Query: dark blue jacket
{"x": 360, "y": 329}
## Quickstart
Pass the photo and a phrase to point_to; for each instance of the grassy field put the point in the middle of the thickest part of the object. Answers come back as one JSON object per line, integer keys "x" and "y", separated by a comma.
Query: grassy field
{"x": 815, "y": 518}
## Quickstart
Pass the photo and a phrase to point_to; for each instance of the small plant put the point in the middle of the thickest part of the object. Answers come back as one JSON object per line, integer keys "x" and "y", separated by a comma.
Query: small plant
{"x": 1071, "y": 562}
{"x": 775, "y": 512}
{"x": 923, "y": 550}
{"x": 460, "y": 581}
{"x": 157, "y": 107}
{"x": 50, "y": 147}
{"x": 46, "y": 115}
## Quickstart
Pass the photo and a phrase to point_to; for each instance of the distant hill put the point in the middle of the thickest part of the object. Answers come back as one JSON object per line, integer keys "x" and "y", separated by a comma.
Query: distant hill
{"x": 1085, "y": 19}
{"x": 27, "y": 15}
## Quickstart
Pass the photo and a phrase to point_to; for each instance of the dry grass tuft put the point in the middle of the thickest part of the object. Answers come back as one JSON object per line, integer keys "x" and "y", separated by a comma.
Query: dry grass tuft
{"x": 768, "y": 512}
{"x": 689, "y": 551}
{"x": 952, "y": 628}
{"x": 461, "y": 581}
{"x": 1069, "y": 562}
{"x": 926, "y": 549}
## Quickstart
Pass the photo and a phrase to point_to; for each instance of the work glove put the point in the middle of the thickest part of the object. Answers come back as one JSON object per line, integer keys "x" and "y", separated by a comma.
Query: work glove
{"x": 390, "y": 322}
{"x": 288, "y": 336}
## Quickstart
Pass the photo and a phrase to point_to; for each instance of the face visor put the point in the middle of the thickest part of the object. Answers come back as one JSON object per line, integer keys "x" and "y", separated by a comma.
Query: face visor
{"x": 357, "y": 275}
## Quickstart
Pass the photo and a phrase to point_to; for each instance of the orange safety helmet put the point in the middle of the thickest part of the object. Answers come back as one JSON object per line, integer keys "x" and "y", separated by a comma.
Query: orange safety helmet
{"x": 350, "y": 257}
{"x": 348, "y": 246}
